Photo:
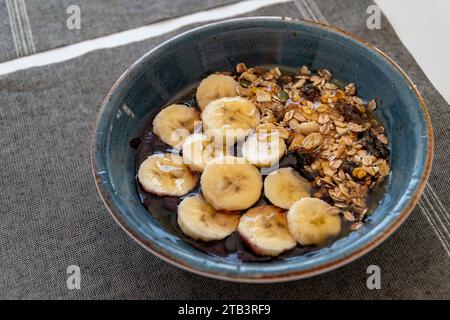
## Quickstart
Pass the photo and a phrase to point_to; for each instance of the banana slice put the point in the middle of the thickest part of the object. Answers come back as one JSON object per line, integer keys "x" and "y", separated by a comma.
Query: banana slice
{"x": 264, "y": 149}
{"x": 174, "y": 123}
{"x": 285, "y": 186}
{"x": 199, "y": 150}
{"x": 198, "y": 220}
{"x": 215, "y": 86}
{"x": 230, "y": 184}
{"x": 166, "y": 175}
{"x": 310, "y": 222}
{"x": 229, "y": 119}
{"x": 265, "y": 230}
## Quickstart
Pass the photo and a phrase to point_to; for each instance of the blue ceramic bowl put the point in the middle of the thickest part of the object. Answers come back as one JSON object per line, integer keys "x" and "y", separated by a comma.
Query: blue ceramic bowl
{"x": 180, "y": 63}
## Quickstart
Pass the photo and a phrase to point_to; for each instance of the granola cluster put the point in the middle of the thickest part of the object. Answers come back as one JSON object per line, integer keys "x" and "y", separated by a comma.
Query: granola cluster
{"x": 333, "y": 139}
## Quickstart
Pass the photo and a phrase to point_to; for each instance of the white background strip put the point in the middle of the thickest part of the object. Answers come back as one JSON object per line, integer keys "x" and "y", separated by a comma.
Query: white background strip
{"x": 424, "y": 28}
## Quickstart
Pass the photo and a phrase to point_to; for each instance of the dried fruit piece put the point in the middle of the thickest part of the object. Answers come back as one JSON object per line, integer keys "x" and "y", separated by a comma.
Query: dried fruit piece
{"x": 349, "y": 112}
{"x": 374, "y": 145}
{"x": 310, "y": 92}
{"x": 305, "y": 158}
{"x": 349, "y": 167}
{"x": 359, "y": 173}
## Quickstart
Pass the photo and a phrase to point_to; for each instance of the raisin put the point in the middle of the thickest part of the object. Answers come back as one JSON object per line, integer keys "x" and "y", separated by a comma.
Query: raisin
{"x": 310, "y": 92}
{"x": 349, "y": 112}
{"x": 374, "y": 145}
{"x": 300, "y": 158}
{"x": 135, "y": 142}
{"x": 310, "y": 176}
{"x": 303, "y": 157}
{"x": 349, "y": 166}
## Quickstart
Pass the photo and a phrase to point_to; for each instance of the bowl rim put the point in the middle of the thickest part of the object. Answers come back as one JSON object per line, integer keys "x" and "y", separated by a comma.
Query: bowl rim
{"x": 286, "y": 275}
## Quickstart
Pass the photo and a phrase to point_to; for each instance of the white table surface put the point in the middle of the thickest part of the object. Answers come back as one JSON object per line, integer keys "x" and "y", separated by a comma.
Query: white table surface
{"x": 422, "y": 25}
{"x": 424, "y": 28}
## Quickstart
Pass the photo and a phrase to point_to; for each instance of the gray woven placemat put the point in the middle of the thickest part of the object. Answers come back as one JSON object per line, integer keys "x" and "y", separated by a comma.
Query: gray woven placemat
{"x": 51, "y": 216}
{"x": 30, "y": 26}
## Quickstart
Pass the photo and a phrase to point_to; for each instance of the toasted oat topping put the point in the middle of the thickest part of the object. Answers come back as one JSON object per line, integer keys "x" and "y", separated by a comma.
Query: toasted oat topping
{"x": 336, "y": 142}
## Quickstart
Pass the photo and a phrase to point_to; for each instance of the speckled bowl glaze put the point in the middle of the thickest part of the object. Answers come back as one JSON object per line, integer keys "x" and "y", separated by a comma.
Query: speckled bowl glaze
{"x": 180, "y": 63}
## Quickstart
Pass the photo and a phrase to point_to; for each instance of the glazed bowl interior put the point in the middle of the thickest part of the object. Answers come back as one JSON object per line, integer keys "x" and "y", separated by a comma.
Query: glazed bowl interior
{"x": 179, "y": 64}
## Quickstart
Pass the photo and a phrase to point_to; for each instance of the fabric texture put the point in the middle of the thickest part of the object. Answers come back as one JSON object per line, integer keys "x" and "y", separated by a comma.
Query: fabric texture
{"x": 30, "y": 26}
{"x": 52, "y": 217}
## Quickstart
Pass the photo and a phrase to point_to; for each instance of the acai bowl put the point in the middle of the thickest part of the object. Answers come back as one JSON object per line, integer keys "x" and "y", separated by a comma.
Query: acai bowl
{"x": 353, "y": 149}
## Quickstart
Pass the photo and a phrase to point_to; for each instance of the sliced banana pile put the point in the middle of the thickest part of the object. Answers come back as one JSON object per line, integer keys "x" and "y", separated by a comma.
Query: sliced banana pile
{"x": 166, "y": 175}
{"x": 230, "y": 184}
{"x": 230, "y": 118}
{"x": 198, "y": 220}
{"x": 265, "y": 230}
{"x": 215, "y": 86}
{"x": 285, "y": 186}
{"x": 174, "y": 123}
{"x": 310, "y": 221}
